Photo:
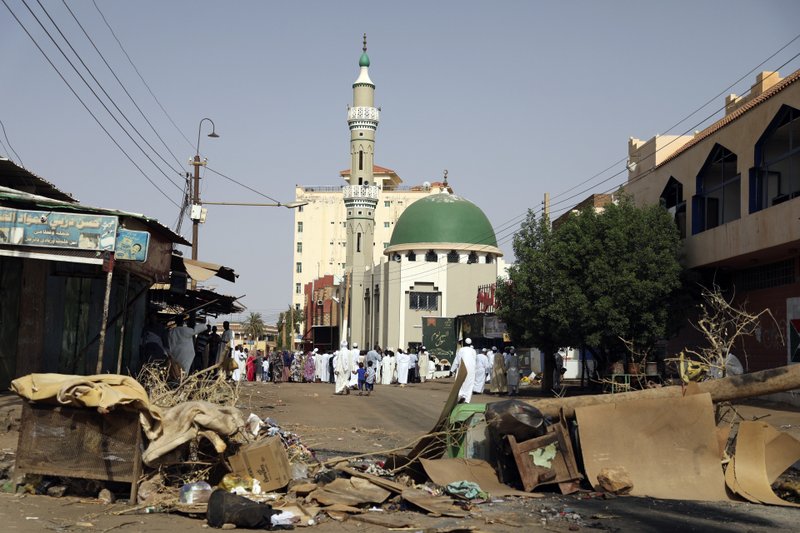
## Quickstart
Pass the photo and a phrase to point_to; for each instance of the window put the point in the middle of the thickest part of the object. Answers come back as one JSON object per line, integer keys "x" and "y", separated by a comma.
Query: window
{"x": 452, "y": 257}
{"x": 718, "y": 185}
{"x": 358, "y": 242}
{"x": 411, "y": 256}
{"x": 489, "y": 258}
{"x": 386, "y": 203}
{"x": 473, "y": 258}
{"x": 672, "y": 200}
{"x": 297, "y": 288}
{"x": 299, "y": 247}
{"x": 386, "y": 224}
{"x": 300, "y": 208}
{"x": 765, "y": 276}
{"x": 299, "y": 227}
{"x": 360, "y": 160}
{"x": 298, "y": 267}
{"x": 423, "y": 301}
{"x": 776, "y": 176}
{"x": 431, "y": 257}
{"x": 296, "y": 307}
{"x": 385, "y": 245}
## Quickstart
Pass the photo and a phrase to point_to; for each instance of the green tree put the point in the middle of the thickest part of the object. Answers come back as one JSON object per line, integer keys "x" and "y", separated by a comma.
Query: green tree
{"x": 285, "y": 331}
{"x": 600, "y": 277}
{"x": 254, "y": 325}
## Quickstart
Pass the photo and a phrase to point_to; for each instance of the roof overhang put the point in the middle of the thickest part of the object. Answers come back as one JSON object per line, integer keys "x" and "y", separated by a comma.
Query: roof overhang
{"x": 201, "y": 270}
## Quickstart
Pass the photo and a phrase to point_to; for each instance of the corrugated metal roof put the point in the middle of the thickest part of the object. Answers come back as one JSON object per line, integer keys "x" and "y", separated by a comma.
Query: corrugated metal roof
{"x": 16, "y": 177}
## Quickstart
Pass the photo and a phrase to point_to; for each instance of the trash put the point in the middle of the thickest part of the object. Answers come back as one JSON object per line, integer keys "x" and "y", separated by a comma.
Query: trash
{"x": 515, "y": 417}
{"x": 237, "y": 483}
{"x": 616, "y": 480}
{"x": 254, "y": 424}
{"x": 226, "y": 508}
{"x": 762, "y": 454}
{"x": 106, "y": 496}
{"x": 544, "y": 456}
{"x": 353, "y": 491}
{"x": 548, "y": 459}
{"x": 282, "y": 519}
{"x": 446, "y": 471}
{"x": 266, "y": 461}
{"x": 467, "y": 490}
{"x": 56, "y": 491}
{"x": 299, "y": 470}
{"x": 197, "y": 492}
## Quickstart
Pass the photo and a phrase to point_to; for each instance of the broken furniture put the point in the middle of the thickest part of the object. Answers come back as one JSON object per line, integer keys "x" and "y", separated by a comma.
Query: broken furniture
{"x": 546, "y": 460}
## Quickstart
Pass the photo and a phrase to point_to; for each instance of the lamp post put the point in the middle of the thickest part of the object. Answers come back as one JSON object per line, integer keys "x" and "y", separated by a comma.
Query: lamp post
{"x": 195, "y": 212}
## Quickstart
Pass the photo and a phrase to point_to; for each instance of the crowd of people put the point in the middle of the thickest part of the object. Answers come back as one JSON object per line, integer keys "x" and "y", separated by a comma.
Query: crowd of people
{"x": 190, "y": 347}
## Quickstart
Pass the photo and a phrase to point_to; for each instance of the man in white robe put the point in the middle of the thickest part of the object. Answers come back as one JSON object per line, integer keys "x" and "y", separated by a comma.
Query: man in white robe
{"x": 355, "y": 358}
{"x": 181, "y": 345}
{"x": 342, "y": 369}
{"x": 481, "y": 369}
{"x": 424, "y": 364}
{"x": 402, "y": 360}
{"x": 387, "y": 368}
{"x": 466, "y": 356}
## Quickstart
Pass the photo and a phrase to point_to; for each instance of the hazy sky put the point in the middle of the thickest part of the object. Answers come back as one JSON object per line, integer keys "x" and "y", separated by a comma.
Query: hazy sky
{"x": 513, "y": 98}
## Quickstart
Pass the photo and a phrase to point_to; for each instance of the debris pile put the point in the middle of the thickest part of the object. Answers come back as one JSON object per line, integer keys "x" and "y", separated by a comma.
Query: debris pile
{"x": 190, "y": 455}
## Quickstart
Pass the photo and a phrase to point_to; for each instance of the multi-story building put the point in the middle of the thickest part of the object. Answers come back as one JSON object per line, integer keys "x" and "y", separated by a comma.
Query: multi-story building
{"x": 734, "y": 190}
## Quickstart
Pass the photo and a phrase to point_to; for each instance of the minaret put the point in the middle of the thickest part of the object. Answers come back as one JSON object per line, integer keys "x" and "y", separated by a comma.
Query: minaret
{"x": 360, "y": 198}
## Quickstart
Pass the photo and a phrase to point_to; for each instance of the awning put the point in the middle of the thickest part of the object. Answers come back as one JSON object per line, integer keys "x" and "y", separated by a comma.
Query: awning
{"x": 202, "y": 271}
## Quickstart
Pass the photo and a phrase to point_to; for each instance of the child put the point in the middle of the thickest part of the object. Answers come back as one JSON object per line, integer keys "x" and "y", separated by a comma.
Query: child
{"x": 370, "y": 377}
{"x": 361, "y": 378}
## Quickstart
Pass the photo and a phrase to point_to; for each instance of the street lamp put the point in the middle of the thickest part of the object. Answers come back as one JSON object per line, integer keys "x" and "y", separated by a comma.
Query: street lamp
{"x": 196, "y": 214}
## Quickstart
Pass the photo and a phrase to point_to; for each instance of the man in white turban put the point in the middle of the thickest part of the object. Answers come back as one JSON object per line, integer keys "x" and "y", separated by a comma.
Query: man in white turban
{"x": 481, "y": 368}
{"x": 403, "y": 360}
{"x": 342, "y": 369}
{"x": 466, "y": 356}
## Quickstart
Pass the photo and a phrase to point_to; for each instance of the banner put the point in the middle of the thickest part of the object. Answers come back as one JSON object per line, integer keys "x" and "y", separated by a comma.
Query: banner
{"x": 132, "y": 245}
{"x": 57, "y": 230}
{"x": 439, "y": 336}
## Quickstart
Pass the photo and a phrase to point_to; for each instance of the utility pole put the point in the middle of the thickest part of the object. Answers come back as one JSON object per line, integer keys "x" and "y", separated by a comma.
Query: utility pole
{"x": 196, "y": 212}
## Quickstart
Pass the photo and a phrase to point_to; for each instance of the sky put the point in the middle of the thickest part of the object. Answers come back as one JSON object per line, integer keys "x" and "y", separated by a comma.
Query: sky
{"x": 513, "y": 98}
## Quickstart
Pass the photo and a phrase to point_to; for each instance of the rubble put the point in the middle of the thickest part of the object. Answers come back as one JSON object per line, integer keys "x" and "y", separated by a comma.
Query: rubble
{"x": 265, "y": 476}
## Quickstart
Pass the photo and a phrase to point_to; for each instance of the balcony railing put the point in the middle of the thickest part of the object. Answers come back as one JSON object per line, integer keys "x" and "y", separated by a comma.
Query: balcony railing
{"x": 361, "y": 191}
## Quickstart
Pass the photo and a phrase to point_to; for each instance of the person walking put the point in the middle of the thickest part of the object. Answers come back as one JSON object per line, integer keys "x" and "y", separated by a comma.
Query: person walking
{"x": 342, "y": 369}
{"x": 481, "y": 368}
{"x": 512, "y": 371}
{"x": 465, "y": 357}
{"x": 265, "y": 367}
{"x": 370, "y": 377}
{"x": 498, "y": 384}
{"x": 181, "y": 343}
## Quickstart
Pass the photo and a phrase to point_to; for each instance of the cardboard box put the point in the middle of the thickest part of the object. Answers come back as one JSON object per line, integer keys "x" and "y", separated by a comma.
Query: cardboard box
{"x": 266, "y": 461}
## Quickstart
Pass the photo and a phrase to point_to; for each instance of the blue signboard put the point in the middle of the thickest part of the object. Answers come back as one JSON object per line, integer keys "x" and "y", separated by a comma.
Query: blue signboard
{"x": 132, "y": 245}
{"x": 77, "y": 231}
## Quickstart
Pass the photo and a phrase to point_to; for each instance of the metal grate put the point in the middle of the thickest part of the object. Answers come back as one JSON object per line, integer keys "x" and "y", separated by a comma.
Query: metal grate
{"x": 79, "y": 443}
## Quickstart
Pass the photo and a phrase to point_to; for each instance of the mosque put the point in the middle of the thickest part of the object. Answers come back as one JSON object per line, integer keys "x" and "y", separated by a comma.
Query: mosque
{"x": 442, "y": 249}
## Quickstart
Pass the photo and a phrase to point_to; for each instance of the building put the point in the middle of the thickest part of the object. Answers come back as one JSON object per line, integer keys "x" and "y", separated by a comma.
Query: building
{"x": 319, "y": 226}
{"x": 734, "y": 191}
{"x": 396, "y": 255}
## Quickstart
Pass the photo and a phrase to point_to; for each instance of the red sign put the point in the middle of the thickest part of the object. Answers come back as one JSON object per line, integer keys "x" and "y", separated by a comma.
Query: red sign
{"x": 485, "y": 302}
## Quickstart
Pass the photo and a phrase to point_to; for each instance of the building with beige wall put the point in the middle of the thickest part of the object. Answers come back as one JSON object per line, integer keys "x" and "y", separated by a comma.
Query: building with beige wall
{"x": 320, "y": 237}
{"x": 734, "y": 190}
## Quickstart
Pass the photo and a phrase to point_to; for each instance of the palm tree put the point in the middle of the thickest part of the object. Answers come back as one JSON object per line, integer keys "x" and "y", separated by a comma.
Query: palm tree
{"x": 254, "y": 326}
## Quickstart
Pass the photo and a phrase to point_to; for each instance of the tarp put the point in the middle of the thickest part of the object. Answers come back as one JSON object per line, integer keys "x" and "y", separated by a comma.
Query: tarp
{"x": 103, "y": 391}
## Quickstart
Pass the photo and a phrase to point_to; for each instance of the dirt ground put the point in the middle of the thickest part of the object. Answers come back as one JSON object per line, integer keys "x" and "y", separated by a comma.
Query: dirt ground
{"x": 391, "y": 418}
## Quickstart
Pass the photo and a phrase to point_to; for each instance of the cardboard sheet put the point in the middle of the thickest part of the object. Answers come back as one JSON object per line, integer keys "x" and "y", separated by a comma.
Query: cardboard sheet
{"x": 669, "y": 447}
{"x": 446, "y": 471}
{"x": 762, "y": 454}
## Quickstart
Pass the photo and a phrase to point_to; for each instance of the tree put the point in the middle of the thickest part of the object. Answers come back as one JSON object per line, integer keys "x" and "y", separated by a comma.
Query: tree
{"x": 254, "y": 325}
{"x": 285, "y": 331}
{"x": 600, "y": 277}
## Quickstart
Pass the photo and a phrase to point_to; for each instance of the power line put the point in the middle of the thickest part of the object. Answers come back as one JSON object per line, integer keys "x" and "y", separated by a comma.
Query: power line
{"x": 140, "y": 75}
{"x": 89, "y": 71}
{"x": 60, "y": 75}
{"x": 122, "y": 85}
{"x": 242, "y": 184}
{"x": 19, "y": 159}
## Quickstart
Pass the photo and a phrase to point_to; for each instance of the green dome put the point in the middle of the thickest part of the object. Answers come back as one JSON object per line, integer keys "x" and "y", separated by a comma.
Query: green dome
{"x": 364, "y": 61}
{"x": 443, "y": 218}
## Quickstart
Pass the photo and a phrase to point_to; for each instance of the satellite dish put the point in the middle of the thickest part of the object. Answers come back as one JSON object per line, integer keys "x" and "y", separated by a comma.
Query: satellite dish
{"x": 426, "y": 185}
{"x": 396, "y": 257}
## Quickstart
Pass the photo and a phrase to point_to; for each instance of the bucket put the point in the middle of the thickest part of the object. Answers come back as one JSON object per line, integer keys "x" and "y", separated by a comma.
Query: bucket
{"x": 651, "y": 368}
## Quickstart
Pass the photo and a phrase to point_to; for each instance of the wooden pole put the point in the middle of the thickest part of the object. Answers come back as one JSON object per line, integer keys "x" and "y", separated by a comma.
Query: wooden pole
{"x": 106, "y": 300}
{"x": 346, "y": 311}
{"x": 770, "y": 381}
{"x": 122, "y": 326}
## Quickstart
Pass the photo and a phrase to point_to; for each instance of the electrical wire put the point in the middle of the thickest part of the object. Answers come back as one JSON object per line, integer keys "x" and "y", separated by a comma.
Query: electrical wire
{"x": 85, "y": 106}
{"x": 220, "y": 174}
{"x": 89, "y": 71}
{"x": 19, "y": 159}
{"x": 140, "y": 76}
{"x": 122, "y": 85}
